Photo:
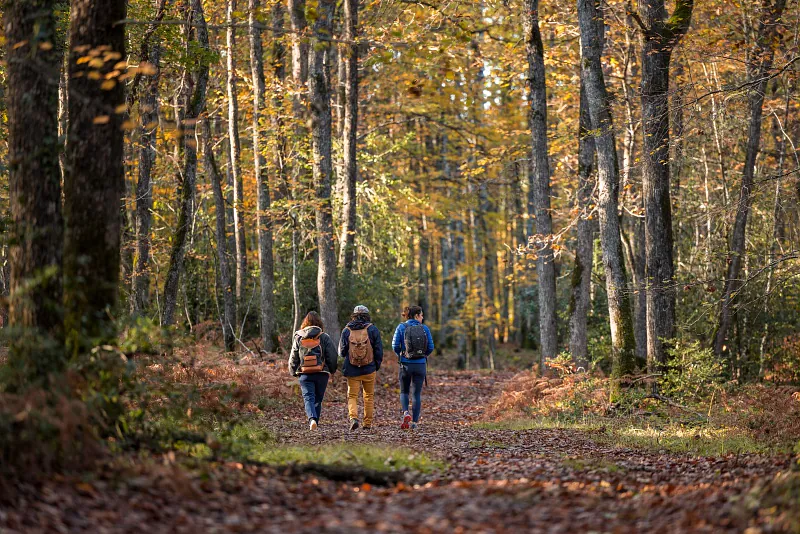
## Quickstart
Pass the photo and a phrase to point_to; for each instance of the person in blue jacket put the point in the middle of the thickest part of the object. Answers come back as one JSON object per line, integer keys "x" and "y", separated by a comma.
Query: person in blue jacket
{"x": 413, "y": 361}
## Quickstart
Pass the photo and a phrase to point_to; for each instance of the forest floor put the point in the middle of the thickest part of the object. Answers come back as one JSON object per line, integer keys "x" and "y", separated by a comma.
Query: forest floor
{"x": 480, "y": 478}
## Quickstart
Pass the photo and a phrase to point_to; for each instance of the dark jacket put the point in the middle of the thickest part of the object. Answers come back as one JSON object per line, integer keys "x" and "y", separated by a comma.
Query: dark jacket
{"x": 399, "y": 342}
{"x": 325, "y": 344}
{"x": 377, "y": 349}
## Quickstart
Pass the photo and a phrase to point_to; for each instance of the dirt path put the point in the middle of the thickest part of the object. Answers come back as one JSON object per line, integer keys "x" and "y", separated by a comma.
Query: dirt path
{"x": 498, "y": 481}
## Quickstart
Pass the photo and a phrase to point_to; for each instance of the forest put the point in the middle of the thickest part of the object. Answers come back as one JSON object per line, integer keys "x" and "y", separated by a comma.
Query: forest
{"x": 596, "y": 203}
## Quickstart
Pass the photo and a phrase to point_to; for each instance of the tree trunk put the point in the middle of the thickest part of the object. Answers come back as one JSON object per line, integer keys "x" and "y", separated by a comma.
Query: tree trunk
{"x": 582, "y": 274}
{"x": 265, "y": 261}
{"x": 228, "y": 318}
{"x": 597, "y": 101}
{"x": 539, "y": 183}
{"x": 278, "y": 64}
{"x": 319, "y": 95}
{"x": 349, "y": 136}
{"x": 489, "y": 273}
{"x": 758, "y": 66}
{"x": 193, "y": 110}
{"x": 660, "y": 37}
{"x": 94, "y": 184}
{"x": 34, "y": 182}
{"x": 140, "y": 285}
{"x": 236, "y": 153}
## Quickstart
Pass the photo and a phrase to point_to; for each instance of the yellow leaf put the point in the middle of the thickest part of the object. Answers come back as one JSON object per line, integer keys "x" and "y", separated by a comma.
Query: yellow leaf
{"x": 94, "y": 75}
{"x": 108, "y": 85}
{"x": 84, "y": 59}
{"x": 129, "y": 125}
{"x": 147, "y": 69}
{"x": 122, "y": 108}
{"x": 46, "y": 45}
{"x": 96, "y": 62}
{"x": 19, "y": 44}
{"x": 101, "y": 119}
{"x": 121, "y": 65}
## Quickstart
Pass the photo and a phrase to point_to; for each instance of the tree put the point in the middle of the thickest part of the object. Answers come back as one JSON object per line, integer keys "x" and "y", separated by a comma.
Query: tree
{"x": 349, "y": 136}
{"x": 33, "y": 63}
{"x": 758, "y": 68}
{"x": 236, "y": 151}
{"x": 660, "y": 35}
{"x": 193, "y": 108}
{"x": 319, "y": 97}
{"x": 265, "y": 261}
{"x": 150, "y": 55}
{"x": 539, "y": 182}
{"x": 623, "y": 343}
{"x": 228, "y": 301}
{"x": 93, "y": 185}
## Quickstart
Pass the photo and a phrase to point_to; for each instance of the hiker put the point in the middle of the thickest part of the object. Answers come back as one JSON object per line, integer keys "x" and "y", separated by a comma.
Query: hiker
{"x": 362, "y": 350}
{"x": 413, "y": 343}
{"x": 314, "y": 360}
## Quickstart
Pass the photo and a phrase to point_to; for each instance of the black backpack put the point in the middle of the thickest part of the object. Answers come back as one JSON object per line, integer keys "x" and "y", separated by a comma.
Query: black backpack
{"x": 416, "y": 340}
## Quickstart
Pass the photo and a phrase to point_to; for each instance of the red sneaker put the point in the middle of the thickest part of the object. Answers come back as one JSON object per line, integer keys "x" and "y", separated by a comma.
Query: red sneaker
{"x": 406, "y": 420}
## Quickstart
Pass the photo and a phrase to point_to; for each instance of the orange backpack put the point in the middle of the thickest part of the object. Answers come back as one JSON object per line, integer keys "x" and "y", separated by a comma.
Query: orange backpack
{"x": 360, "y": 348}
{"x": 311, "y": 356}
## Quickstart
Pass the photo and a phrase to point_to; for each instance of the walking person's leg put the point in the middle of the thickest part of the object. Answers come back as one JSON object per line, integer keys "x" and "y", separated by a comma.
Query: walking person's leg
{"x": 405, "y": 384}
{"x": 418, "y": 380}
{"x": 353, "y": 387}
{"x": 321, "y": 383}
{"x": 309, "y": 390}
{"x": 369, "y": 398}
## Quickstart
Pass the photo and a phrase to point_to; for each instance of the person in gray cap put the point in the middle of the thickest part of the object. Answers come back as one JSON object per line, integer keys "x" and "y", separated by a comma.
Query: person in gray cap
{"x": 361, "y": 347}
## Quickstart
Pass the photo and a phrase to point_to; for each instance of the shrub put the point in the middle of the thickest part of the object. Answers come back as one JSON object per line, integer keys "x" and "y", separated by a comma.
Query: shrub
{"x": 693, "y": 372}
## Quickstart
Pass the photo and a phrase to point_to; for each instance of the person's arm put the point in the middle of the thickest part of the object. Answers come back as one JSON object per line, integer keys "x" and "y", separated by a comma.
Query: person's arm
{"x": 331, "y": 357}
{"x": 344, "y": 343}
{"x": 430, "y": 341}
{"x": 377, "y": 347}
{"x": 397, "y": 340}
{"x": 294, "y": 357}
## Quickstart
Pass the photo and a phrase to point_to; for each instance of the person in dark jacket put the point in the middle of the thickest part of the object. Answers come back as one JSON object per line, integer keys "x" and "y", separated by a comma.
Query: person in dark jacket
{"x": 412, "y": 370}
{"x": 361, "y": 375}
{"x": 313, "y": 385}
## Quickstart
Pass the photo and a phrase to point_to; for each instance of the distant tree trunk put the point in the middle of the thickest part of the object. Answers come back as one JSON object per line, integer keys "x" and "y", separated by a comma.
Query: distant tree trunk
{"x": 193, "y": 110}
{"x": 319, "y": 95}
{"x": 489, "y": 272}
{"x": 582, "y": 273}
{"x": 94, "y": 183}
{"x": 349, "y": 136}
{"x": 140, "y": 284}
{"x": 539, "y": 182}
{"x": 619, "y": 305}
{"x": 34, "y": 181}
{"x": 660, "y": 35}
{"x": 758, "y": 67}
{"x": 265, "y": 261}
{"x": 449, "y": 278}
{"x": 521, "y": 317}
{"x": 228, "y": 318}
{"x": 300, "y": 78}
{"x": 278, "y": 64}
{"x": 236, "y": 153}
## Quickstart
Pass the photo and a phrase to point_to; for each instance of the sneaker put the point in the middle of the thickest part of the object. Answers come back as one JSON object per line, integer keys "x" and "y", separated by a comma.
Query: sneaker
{"x": 353, "y": 425}
{"x": 413, "y": 426}
{"x": 366, "y": 428}
{"x": 406, "y": 420}
{"x": 312, "y": 425}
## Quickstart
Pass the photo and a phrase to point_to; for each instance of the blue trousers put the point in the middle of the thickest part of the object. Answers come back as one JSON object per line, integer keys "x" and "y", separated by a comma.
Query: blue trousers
{"x": 412, "y": 377}
{"x": 313, "y": 387}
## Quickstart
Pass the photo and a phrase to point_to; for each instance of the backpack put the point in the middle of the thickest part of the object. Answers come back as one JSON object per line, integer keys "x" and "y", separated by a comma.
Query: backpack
{"x": 360, "y": 348}
{"x": 416, "y": 341}
{"x": 311, "y": 355}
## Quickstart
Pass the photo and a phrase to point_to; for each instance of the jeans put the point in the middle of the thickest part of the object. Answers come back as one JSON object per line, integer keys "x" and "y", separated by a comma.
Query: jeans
{"x": 412, "y": 374}
{"x": 313, "y": 387}
{"x": 354, "y": 384}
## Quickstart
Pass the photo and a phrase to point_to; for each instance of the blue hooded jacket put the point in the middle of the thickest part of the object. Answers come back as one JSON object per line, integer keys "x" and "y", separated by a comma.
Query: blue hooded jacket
{"x": 399, "y": 341}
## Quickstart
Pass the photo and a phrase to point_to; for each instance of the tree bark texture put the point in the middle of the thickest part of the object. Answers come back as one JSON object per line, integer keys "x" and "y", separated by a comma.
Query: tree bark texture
{"x": 35, "y": 176}
{"x": 539, "y": 183}
{"x": 266, "y": 265}
{"x": 195, "y": 107}
{"x": 319, "y": 96}
{"x": 582, "y": 273}
{"x": 597, "y": 101}
{"x": 349, "y": 136}
{"x": 236, "y": 153}
{"x": 94, "y": 182}
{"x": 228, "y": 318}
{"x": 660, "y": 35}
{"x": 758, "y": 67}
